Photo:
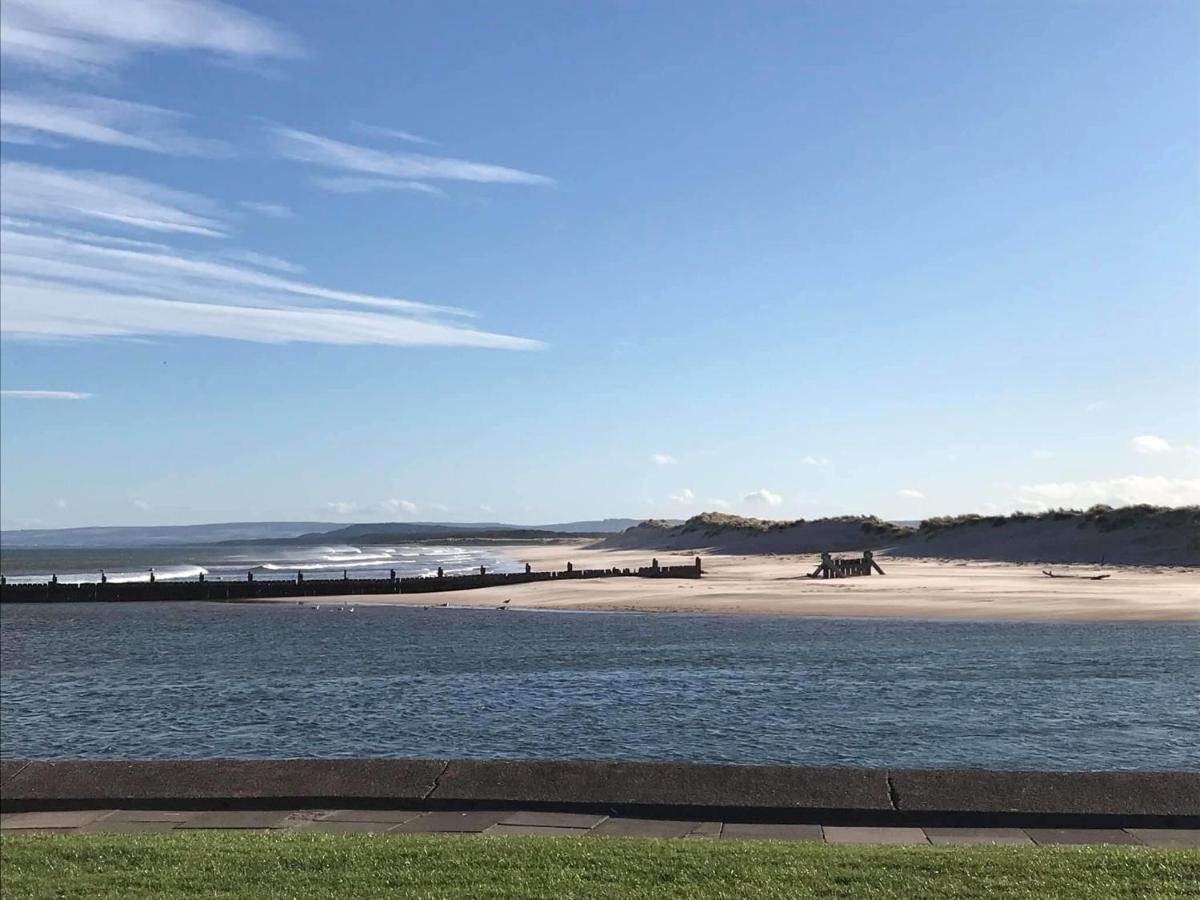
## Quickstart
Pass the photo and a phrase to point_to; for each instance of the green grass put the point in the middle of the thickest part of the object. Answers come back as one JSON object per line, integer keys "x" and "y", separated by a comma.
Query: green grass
{"x": 255, "y": 865}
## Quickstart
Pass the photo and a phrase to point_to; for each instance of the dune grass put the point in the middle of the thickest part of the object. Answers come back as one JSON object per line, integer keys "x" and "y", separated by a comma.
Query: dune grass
{"x": 259, "y": 865}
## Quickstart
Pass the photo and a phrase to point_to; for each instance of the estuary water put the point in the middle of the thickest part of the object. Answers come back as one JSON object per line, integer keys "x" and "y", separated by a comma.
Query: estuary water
{"x": 146, "y": 681}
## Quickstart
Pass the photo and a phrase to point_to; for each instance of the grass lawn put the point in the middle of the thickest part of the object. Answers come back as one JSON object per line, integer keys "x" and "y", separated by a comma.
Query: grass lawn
{"x": 257, "y": 865}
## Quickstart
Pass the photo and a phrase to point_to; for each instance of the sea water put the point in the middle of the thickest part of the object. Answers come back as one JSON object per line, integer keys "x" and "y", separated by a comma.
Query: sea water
{"x": 232, "y": 562}
{"x": 152, "y": 681}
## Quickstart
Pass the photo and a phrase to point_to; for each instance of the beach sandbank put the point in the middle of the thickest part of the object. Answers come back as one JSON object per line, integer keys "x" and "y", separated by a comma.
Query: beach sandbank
{"x": 776, "y": 585}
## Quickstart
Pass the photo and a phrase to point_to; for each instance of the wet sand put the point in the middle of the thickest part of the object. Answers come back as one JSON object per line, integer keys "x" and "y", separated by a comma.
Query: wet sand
{"x": 776, "y": 585}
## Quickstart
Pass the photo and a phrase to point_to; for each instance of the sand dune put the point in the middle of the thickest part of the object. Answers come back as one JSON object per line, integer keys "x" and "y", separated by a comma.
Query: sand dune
{"x": 1132, "y": 536}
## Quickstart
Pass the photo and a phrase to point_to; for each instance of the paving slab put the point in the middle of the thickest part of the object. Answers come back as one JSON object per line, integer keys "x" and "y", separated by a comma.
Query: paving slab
{"x": 706, "y": 830}
{"x": 846, "y": 834}
{"x": 236, "y": 819}
{"x": 183, "y": 783}
{"x": 738, "y": 831}
{"x": 1168, "y": 838}
{"x": 649, "y": 828}
{"x": 554, "y": 820}
{"x": 452, "y": 822}
{"x": 544, "y": 830}
{"x": 1062, "y": 793}
{"x": 389, "y": 816}
{"x": 1043, "y": 836}
{"x": 663, "y": 785}
{"x": 149, "y": 815}
{"x": 966, "y": 837}
{"x": 57, "y": 820}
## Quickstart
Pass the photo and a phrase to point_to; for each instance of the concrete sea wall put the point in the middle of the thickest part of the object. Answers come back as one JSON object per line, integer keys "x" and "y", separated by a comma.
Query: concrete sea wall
{"x": 919, "y": 797}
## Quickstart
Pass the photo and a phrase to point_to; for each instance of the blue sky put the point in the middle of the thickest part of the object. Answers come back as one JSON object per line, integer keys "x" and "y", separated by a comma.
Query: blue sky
{"x": 547, "y": 261}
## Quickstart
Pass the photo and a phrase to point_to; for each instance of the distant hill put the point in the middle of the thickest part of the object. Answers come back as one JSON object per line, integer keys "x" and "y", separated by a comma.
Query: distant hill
{"x": 1133, "y": 535}
{"x": 272, "y": 532}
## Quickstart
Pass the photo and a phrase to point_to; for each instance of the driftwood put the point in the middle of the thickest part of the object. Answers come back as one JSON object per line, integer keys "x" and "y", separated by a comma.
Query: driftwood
{"x": 1050, "y": 574}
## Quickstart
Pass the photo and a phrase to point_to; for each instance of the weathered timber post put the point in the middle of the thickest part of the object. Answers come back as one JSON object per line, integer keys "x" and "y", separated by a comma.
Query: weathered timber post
{"x": 697, "y": 565}
{"x": 869, "y": 559}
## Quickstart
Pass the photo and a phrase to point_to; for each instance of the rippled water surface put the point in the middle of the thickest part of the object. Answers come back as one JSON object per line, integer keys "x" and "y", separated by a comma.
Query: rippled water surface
{"x": 204, "y": 680}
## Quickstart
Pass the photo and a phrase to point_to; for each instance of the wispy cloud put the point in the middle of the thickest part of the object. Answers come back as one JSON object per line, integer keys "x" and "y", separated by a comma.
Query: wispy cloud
{"x": 718, "y": 503}
{"x": 79, "y": 195}
{"x": 393, "y": 133}
{"x": 814, "y": 461}
{"x": 142, "y": 504}
{"x": 910, "y": 494}
{"x": 84, "y": 37}
{"x": 26, "y": 118}
{"x": 687, "y": 495}
{"x": 270, "y": 210}
{"x": 1095, "y": 406}
{"x": 663, "y": 459}
{"x": 762, "y": 495}
{"x": 1150, "y": 444}
{"x": 304, "y": 146}
{"x": 1042, "y": 454}
{"x": 45, "y": 395}
{"x": 67, "y": 283}
{"x": 1156, "y": 490}
{"x": 264, "y": 261}
{"x": 351, "y": 184}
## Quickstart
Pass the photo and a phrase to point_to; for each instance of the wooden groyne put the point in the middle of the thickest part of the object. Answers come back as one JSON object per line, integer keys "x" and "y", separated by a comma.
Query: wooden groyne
{"x": 204, "y": 589}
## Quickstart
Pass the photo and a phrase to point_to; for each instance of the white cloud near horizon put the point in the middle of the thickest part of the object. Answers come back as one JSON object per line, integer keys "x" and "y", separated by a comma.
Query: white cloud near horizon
{"x": 391, "y": 506}
{"x": 687, "y": 495}
{"x": 718, "y": 502}
{"x": 46, "y": 395}
{"x": 814, "y": 461}
{"x": 762, "y": 495}
{"x": 303, "y": 146}
{"x": 1132, "y": 489}
{"x": 663, "y": 459}
{"x": 270, "y": 210}
{"x": 1150, "y": 444}
{"x": 90, "y": 37}
{"x": 910, "y": 494}
{"x": 67, "y": 283}
{"x": 37, "y": 118}
{"x": 393, "y": 133}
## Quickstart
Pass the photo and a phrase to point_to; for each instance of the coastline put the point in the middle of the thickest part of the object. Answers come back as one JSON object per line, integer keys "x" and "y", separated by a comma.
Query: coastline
{"x": 776, "y": 585}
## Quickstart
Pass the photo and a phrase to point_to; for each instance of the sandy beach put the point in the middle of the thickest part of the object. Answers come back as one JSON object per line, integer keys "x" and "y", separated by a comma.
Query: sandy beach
{"x": 776, "y": 585}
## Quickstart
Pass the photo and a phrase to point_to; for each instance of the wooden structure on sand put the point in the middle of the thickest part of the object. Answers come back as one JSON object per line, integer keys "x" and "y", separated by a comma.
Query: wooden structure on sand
{"x": 845, "y": 568}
